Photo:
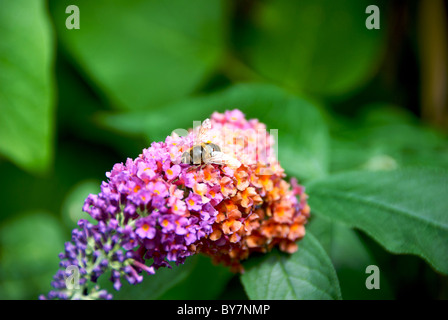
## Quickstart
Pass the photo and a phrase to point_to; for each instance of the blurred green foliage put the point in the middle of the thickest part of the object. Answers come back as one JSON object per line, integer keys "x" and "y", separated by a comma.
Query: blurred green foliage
{"x": 150, "y": 52}
{"x": 312, "y": 46}
{"x": 26, "y": 81}
{"x": 343, "y": 98}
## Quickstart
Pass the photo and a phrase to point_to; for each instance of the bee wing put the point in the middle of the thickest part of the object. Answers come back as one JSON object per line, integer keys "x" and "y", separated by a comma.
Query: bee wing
{"x": 221, "y": 158}
{"x": 203, "y": 130}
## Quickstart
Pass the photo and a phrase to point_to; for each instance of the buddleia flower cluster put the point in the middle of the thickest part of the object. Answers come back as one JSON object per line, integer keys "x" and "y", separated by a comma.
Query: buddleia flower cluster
{"x": 156, "y": 209}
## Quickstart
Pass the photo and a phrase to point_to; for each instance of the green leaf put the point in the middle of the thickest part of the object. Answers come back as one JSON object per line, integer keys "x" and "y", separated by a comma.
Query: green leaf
{"x": 302, "y": 132}
{"x": 29, "y": 248}
{"x": 26, "y": 84}
{"x": 146, "y": 52}
{"x": 313, "y": 46}
{"x": 307, "y": 274}
{"x": 405, "y": 210}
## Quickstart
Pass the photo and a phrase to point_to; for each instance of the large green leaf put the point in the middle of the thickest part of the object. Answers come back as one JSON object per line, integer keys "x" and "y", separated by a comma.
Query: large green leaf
{"x": 26, "y": 84}
{"x": 405, "y": 210}
{"x": 314, "y": 46}
{"x": 302, "y": 132}
{"x": 144, "y": 52}
{"x": 307, "y": 274}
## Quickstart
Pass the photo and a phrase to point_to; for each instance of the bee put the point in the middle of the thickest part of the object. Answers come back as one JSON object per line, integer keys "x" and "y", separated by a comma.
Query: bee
{"x": 204, "y": 152}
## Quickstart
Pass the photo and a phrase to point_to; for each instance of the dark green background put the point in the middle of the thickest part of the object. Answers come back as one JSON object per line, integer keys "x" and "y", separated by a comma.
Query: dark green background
{"x": 344, "y": 98}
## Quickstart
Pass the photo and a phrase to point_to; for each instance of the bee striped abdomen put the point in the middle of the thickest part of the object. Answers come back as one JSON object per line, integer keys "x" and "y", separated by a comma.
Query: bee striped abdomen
{"x": 199, "y": 154}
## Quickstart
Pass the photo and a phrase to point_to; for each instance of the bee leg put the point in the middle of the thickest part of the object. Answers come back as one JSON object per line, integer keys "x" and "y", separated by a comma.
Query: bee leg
{"x": 193, "y": 167}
